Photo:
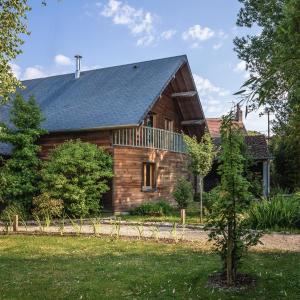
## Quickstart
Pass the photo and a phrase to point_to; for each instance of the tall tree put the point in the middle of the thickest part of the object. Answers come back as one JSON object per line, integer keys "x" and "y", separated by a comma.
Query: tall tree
{"x": 19, "y": 176}
{"x": 227, "y": 230}
{"x": 13, "y": 24}
{"x": 201, "y": 156}
{"x": 273, "y": 59}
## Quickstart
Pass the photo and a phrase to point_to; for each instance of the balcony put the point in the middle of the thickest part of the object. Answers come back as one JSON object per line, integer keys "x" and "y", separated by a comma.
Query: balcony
{"x": 148, "y": 137}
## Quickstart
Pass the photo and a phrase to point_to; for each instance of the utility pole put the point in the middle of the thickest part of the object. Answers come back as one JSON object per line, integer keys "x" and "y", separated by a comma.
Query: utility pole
{"x": 267, "y": 112}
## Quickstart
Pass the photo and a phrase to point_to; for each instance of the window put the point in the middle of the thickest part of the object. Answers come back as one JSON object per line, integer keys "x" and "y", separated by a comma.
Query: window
{"x": 149, "y": 182}
{"x": 150, "y": 120}
{"x": 168, "y": 125}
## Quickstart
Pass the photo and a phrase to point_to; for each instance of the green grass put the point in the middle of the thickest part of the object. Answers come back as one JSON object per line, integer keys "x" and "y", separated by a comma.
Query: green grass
{"x": 99, "y": 268}
{"x": 192, "y": 216}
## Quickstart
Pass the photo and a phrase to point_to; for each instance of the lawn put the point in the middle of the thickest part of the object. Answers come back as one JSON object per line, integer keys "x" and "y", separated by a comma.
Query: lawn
{"x": 192, "y": 216}
{"x": 100, "y": 268}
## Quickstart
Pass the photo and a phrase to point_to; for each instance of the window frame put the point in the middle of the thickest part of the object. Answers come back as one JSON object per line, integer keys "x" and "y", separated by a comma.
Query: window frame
{"x": 152, "y": 187}
{"x": 169, "y": 125}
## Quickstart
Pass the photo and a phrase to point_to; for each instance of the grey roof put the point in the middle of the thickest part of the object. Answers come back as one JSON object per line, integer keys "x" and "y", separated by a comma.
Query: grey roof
{"x": 256, "y": 146}
{"x": 107, "y": 97}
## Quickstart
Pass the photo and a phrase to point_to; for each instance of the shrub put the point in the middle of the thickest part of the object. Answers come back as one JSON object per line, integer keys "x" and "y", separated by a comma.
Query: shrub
{"x": 45, "y": 206}
{"x": 13, "y": 209}
{"x": 183, "y": 193}
{"x": 210, "y": 197}
{"x": 77, "y": 173}
{"x": 278, "y": 212}
{"x": 160, "y": 208}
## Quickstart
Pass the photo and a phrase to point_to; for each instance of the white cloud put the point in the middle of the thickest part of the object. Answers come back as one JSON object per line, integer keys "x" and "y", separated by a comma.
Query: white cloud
{"x": 62, "y": 60}
{"x": 139, "y": 22}
{"x": 33, "y": 72}
{"x": 240, "y": 67}
{"x": 213, "y": 98}
{"x": 204, "y": 87}
{"x": 16, "y": 69}
{"x": 168, "y": 34}
{"x": 217, "y": 46}
{"x": 198, "y": 33}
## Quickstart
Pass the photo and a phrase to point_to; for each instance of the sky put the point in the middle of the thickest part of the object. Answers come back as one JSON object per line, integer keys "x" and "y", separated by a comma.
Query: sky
{"x": 114, "y": 32}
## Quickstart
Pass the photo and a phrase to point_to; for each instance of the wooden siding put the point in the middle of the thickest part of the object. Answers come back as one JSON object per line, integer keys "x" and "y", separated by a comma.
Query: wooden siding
{"x": 127, "y": 185}
{"x": 50, "y": 141}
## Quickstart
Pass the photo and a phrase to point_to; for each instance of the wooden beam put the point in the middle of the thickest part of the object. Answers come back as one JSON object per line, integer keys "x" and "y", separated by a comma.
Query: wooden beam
{"x": 192, "y": 122}
{"x": 184, "y": 94}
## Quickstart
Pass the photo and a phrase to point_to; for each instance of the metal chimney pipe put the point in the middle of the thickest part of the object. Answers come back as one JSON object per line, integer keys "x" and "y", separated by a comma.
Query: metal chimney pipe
{"x": 78, "y": 65}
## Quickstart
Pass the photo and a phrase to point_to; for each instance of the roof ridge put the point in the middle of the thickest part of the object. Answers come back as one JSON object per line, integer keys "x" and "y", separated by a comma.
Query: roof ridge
{"x": 110, "y": 67}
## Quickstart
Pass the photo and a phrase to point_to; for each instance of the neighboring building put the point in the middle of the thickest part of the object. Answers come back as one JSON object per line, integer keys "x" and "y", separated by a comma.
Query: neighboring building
{"x": 137, "y": 112}
{"x": 256, "y": 146}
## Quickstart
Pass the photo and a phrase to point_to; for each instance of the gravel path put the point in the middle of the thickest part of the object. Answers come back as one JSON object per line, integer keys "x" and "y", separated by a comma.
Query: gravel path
{"x": 271, "y": 242}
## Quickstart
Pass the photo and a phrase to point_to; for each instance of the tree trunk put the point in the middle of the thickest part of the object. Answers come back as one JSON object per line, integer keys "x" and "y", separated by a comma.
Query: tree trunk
{"x": 229, "y": 257}
{"x": 182, "y": 216}
{"x": 201, "y": 197}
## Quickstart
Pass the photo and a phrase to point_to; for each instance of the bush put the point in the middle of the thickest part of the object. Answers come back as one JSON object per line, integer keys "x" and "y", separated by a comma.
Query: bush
{"x": 160, "y": 208}
{"x": 209, "y": 198}
{"x": 13, "y": 209}
{"x": 45, "y": 206}
{"x": 183, "y": 193}
{"x": 77, "y": 173}
{"x": 278, "y": 212}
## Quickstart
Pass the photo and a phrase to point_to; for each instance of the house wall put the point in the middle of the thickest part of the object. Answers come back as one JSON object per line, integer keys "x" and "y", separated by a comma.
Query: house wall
{"x": 167, "y": 108}
{"x": 50, "y": 141}
{"x": 127, "y": 185}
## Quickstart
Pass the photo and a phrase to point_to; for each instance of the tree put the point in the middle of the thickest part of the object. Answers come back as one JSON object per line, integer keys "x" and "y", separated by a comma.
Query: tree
{"x": 77, "y": 173}
{"x": 227, "y": 229}
{"x": 19, "y": 176}
{"x": 273, "y": 59}
{"x": 13, "y": 17}
{"x": 201, "y": 156}
{"x": 183, "y": 193}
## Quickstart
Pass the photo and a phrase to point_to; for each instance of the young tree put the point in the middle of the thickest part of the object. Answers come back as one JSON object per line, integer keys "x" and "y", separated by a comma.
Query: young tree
{"x": 77, "y": 173}
{"x": 227, "y": 229}
{"x": 201, "y": 156}
{"x": 19, "y": 176}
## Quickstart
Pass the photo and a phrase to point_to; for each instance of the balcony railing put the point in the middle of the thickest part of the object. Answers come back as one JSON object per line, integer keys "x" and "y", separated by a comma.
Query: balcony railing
{"x": 148, "y": 137}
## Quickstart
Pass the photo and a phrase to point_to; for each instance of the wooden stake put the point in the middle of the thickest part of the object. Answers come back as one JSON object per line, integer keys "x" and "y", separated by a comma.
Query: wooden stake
{"x": 182, "y": 216}
{"x": 15, "y": 223}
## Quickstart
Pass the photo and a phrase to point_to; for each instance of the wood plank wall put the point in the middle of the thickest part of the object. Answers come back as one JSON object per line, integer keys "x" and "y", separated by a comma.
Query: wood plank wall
{"x": 50, "y": 141}
{"x": 127, "y": 186}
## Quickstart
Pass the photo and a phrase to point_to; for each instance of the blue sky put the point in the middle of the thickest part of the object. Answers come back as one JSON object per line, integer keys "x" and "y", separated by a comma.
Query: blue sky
{"x": 111, "y": 32}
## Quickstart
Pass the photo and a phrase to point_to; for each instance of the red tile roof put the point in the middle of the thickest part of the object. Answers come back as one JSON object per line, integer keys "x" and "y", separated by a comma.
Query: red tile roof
{"x": 214, "y": 125}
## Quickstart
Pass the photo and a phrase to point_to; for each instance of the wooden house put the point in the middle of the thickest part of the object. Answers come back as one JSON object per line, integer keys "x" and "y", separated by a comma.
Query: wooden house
{"x": 137, "y": 112}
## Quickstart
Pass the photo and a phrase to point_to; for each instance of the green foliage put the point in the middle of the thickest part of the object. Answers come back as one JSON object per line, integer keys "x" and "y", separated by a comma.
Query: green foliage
{"x": 77, "y": 173}
{"x": 227, "y": 230}
{"x": 183, "y": 193}
{"x": 19, "y": 176}
{"x": 159, "y": 208}
{"x": 13, "y": 209}
{"x": 209, "y": 198}
{"x": 45, "y": 206}
{"x": 280, "y": 211}
{"x": 201, "y": 154}
{"x": 12, "y": 25}
{"x": 273, "y": 59}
